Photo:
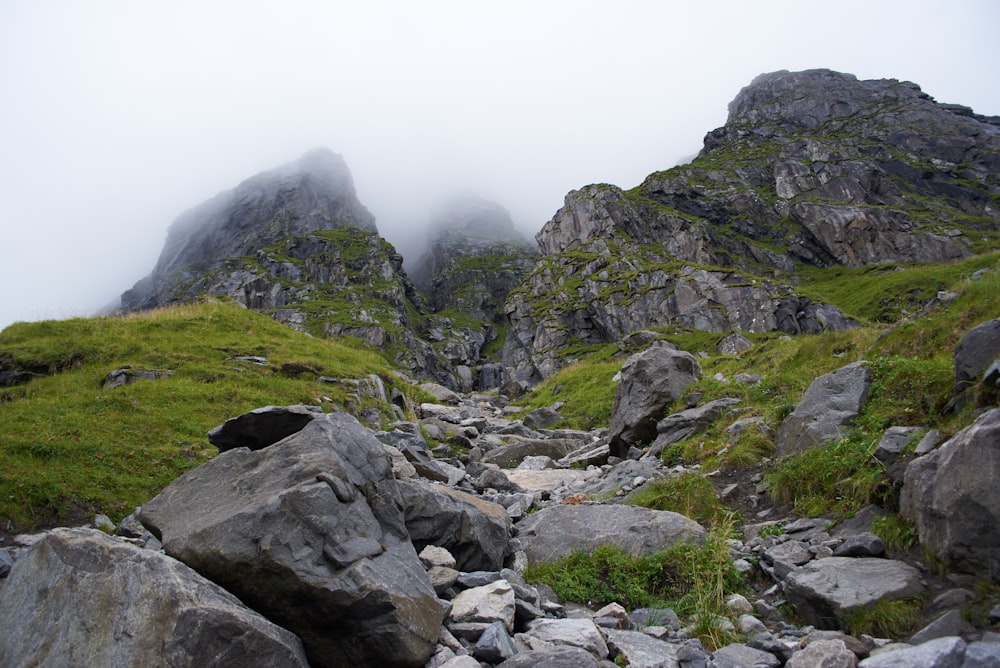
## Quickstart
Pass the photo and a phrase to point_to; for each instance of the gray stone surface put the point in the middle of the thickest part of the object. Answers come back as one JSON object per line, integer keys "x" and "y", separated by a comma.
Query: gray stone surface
{"x": 641, "y": 650}
{"x": 952, "y": 496}
{"x": 975, "y": 352}
{"x": 557, "y": 531}
{"x": 650, "y": 381}
{"x": 309, "y": 532}
{"x": 474, "y": 530}
{"x": 262, "y": 427}
{"x": 894, "y": 443}
{"x": 79, "y": 597}
{"x": 825, "y": 590}
{"x": 556, "y": 657}
{"x": 489, "y": 603}
{"x": 824, "y": 654}
{"x": 679, "y": 426}
{"x": 582, "y": 633}
{"x": 830, "y": 404}
{"x": 946, "y": 652}
{"x": 738, "y": 655}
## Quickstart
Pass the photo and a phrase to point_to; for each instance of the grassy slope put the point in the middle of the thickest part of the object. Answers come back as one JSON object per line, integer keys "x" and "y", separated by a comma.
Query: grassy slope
{"x": 911, "y": 362}
{"x": 69, "y": 449}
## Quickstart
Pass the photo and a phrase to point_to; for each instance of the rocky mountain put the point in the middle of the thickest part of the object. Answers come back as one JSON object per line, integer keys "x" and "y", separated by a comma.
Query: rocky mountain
{"x": 476, "y": 257}
{"x": 812, "y": 168}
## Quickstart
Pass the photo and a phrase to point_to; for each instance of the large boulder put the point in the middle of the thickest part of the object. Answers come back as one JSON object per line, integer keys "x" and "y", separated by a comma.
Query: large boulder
{"x": 830, "y": 404}
{"x": 557, "y": 531}
{"x": 974, "y": 353}
{"x": 824, "y": 591}
{"x": 309, "y": 532}
{"x": 476, "y": 531}
{"x": 650, "y": 381}
{"x": 78, "y": 597}
{"x": 952, "y": 496}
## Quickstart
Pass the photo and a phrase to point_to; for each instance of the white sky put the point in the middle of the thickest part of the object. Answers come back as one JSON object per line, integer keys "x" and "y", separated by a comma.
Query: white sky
{"x": 115, "y": 116}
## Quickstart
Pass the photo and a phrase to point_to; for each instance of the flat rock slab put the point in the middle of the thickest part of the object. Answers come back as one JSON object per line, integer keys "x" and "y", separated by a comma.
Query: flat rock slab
{"x": 81, "y": 598}
{"x": 556, "y": 531}
{"x": 545, "y": 480}
{"x": 825, "y": 590}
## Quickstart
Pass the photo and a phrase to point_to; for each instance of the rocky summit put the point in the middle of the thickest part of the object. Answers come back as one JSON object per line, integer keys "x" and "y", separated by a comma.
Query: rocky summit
{"x": 746, "y": 413}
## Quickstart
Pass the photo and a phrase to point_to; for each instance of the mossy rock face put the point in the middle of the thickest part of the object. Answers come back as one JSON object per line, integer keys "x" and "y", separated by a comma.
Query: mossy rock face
{"x": 812, "y": 169}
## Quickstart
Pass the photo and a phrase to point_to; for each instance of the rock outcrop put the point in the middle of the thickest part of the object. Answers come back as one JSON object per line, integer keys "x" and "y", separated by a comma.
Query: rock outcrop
{"x": 476, "y": 257}
{"x": 311, "y": 194}
{"x": 811, "y": 167}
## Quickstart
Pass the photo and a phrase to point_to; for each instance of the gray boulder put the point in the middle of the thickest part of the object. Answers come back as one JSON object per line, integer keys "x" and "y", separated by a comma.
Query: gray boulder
{"x": 641, "y": 650}
{"x": 946, "y": 652}
{"x": 557, "y": 531}
{"x": 556, "y": 657}
{"x": 582, "y": 633}
{"x": 262, "y": 427}
{"x": 738, "y": 655}
{"x": 309, "y": 532}
{"x": 825, "y": 590}
{"x": 650, "y": 381}
{"x": 975, "y": 352}
{"x": 831, "y": 653}
{"x": 476, "y": 531}
{"x": 894, "y": 443}
{"x": 679, "y": 426}
{"x": 81, "y": 598}
{"x": 952, "y": 496}
{"x": 511, "y": 455}
{"x": 830, "y": 404}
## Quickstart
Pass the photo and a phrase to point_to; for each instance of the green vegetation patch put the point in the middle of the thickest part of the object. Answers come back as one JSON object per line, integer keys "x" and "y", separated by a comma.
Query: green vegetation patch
{"x": 693, "y": 580}
{"x": 690, "y": 494}
{"x": 69, "y": 449}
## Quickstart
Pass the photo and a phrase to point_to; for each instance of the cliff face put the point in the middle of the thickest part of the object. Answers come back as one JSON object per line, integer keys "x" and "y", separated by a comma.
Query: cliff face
{"x": 814, "y": 168}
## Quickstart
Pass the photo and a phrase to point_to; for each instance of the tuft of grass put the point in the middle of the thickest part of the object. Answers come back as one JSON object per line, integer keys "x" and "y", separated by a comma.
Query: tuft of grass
{"x": 693, "y": 580}
{"x": 838, "y": 478}
{"x": 886, "y": 619}
{"x": 586, "y": 390}
{"x": 690, "y": 494}
{"x": 897, "y": 534}
{"x": 70, "y": 449}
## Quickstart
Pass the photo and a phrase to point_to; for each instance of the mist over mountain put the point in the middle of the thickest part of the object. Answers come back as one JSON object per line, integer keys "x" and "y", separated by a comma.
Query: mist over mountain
{"x": 812, "y": 168}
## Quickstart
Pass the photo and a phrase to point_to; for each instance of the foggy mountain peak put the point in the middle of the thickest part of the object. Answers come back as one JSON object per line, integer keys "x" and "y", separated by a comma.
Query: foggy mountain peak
{"x": 315, "y": 192}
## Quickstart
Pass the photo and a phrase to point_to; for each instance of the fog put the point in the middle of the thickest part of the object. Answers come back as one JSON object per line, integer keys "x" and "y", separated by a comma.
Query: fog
{"x": 118, "y": 116}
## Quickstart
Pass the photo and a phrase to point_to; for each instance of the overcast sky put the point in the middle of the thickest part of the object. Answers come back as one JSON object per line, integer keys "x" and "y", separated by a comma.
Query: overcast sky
{"x": 117, "y": 116}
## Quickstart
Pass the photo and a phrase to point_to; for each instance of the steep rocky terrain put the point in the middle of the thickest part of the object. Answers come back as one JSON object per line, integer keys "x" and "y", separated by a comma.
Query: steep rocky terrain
{"x": 814, "y": 168}
{"x": 702, "y": 489}
{"x": 476, "y": 257}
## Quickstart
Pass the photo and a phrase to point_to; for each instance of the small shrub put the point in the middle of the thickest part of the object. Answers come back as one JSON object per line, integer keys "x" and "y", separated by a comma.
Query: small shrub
{"x": 772, "y": 530}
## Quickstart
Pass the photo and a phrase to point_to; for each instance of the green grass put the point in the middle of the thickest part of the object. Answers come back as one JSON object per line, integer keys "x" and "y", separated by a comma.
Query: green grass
{"x": 690, "y": 494}
{"x": 587, "y": 390}
{"x": 693, "y": 580}
{"x": 885, "y": 619}
{"x": 69, "y": 449}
